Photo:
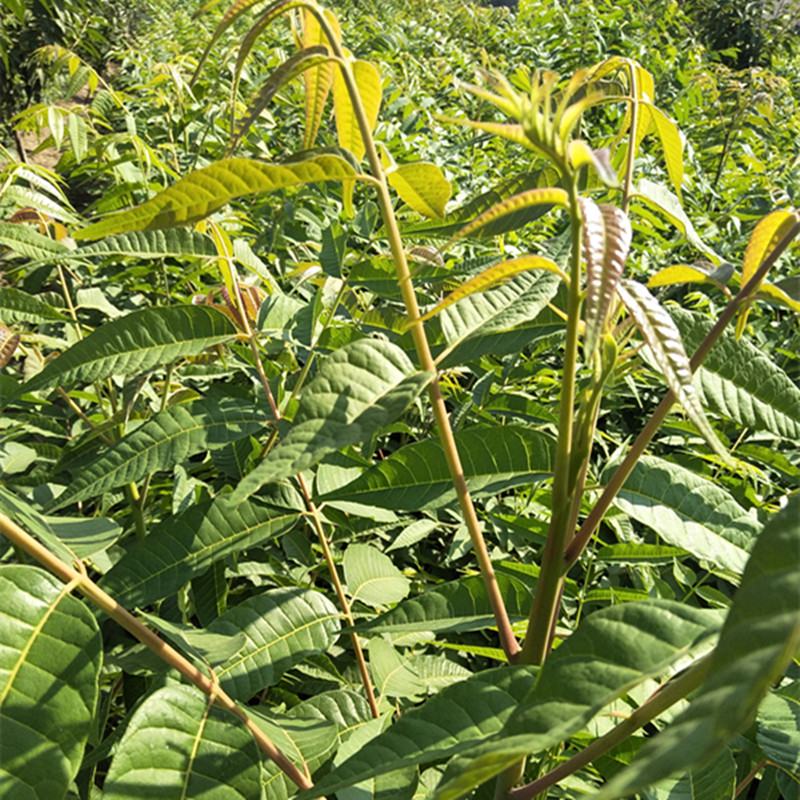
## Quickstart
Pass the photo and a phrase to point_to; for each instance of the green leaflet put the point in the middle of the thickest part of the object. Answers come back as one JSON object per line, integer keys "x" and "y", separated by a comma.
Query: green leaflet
{"x": 50, "y": 660}
{"x": 612, "y": 651}
{"x": 451, "y": 721}
{"x": 177, "y": 242}
{"x": 135, "y": 343}
{"x": 24, "y": 240}
{"x": 195, "y": 749}
{"x": 372, "y": 578}
{"x": 281, "y": 628}
{"x": 779, "y": 727}
{"x": 422, "y": 186}
{"x": 501, "y": 320}
{"x": 206, "y": 190}
{"x": 457, "y": 606}
{"x": 359, "y": 389}
{"x": 760, "y": 636}
{"x": 739, "y": 381}
{"x": 416, "y": 477}
{"x": 18, "y": 306}
{"x": 713, "y": 781}
{"x": 168, "y": 438}
{"x": 690, "y": 512}
{"x": 185, "y": 546}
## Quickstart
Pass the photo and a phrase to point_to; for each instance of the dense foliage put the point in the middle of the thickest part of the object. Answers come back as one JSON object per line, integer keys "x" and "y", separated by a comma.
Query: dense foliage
{"x": 349, "y": 437}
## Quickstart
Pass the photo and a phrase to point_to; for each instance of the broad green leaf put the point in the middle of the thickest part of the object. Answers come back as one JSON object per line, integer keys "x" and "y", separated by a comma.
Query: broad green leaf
{"x": 176, "y": 243}
{"x": 282, "y": 627}
{"x": 78, "y": 139}
{"x": 759, "y": 638}
{"x": 661, "y": 199}
{"x": 24, "y": 197}
{"x": 306, "y": 739}
{"x": 779, "y": 727}
{"x": 664, "y": 340}
{"x": 640, "y": 553}
{"x": 136, "y": 343}
{"x": 739, "y": 381}
{"x": 417, "y": 477}
{"x": 713, "y": 781}
{"x": 346, "y": 709}
{"x": 491, "y": 277}
{"x": 612, "y": 651}
{"x": 177, "y": 744}
{"x": 50, "y": 659}
{"x": 392, "y": 674}
{"x": 185, "y": 546}
{"x": 606, "y": 242}
{"x": 206, "y": 190}
{"x": 359, "y": 389}
{"x": 318, "y": 80}
{"x": 546, "y": 197}
{"x": 168, "y": 438}
{"x": 18, "y": 306}
{"x": 422, "y": 186}
{"x": 689, "y": 511}
{"x": 202, "y": 645}
{"x": 451, "y": 721}
{"x": 29, "y": 518}
{"x": 498, "y": 321}
{"x": 437, "y": 672}
{"x": 454, "y": 607}
{"x": 372, "y": 578}
{"x": 368, "y": 81}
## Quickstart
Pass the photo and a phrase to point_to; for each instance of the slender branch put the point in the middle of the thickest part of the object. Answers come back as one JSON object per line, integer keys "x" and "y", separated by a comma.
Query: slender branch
{"x": 665, "y": 697}
{"x": 334, "y": 573}
{"x": 750, "y": 777}
{"x": 631, "y": 155}
{"x": 79, "y": 411}
{"x": 424, "y": 356}
{"x": 746, "y": 293}
{"x": 123, "y": 617}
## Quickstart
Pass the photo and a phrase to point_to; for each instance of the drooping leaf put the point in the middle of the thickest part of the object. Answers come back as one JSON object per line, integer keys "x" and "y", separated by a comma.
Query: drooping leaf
{"x": 779, "y": 727}
{"x": 453, "y": 607}
{"x": 739, "y": 381}
{"x": 689, "y": 511}
{"x": 760, "y": 636}
{"x": 135, "y": 343}
{"x": 372, "y": 578}
{"x": 318, "y": 80}
{"x": 185, "y": 546}
{"x": 368, "y": 81}
{"x": 547, "y": 197}
{"x": 281, "y": 627}
{"x": 453, "y": 720}
{"x": 18, "y": 306}
{"x": 168, "y": 438}
{"x": 612, "y": 651}
{"x": 422, "y": 186}
{"x": 664, "y": 340}
{"x": 194, "y": 748}
{"x": 416, "y": 477}
{"x": 206, "y": 190}
{"x": 671, "y": 144}
{"x": 50, "y": 660}
{"x": 359, "y": 389}
{"x": 491, "y": 277}
{"x": 606, "y": 241}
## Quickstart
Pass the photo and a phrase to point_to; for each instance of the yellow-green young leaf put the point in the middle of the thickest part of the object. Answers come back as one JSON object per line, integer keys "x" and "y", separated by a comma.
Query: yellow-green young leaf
{"x": 512, "y": 131}
{"x": 368, "y": 80}
{"x": 775, "y": 293}
{"x": 673, "y": 147}
{"x": 766, "y": 235}
{"x": 494, "y": 275}
{"x": 580, "y": 154}
{"x": 679, "y": 273}
{"x": 318, "y": 80}
{"x": 533, "y": 197}
{"x": 204, "y": 191}
{"x": 422, "y": 186}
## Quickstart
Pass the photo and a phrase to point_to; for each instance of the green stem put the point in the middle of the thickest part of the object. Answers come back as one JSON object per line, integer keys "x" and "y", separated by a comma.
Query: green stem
{"x": 551, "y": 577}
{"x": 506, "y": 634}
{"x": 632, "y": 144}
{"x": 746, "y": 293}
{"x": 123, "y": 617}
{"x": 663, "y": 699}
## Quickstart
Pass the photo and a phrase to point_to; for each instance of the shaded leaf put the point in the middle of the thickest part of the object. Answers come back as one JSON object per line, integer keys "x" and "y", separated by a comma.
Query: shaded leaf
{"x": 18, "y": 306}
{"x": 779, "y": 727}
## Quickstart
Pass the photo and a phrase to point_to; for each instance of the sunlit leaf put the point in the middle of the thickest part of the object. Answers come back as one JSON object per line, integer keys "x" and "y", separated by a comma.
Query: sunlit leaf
{"x": 368, "y": 81}
{"x": 422, "y": 186}
{"x": 372, "y": 578}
